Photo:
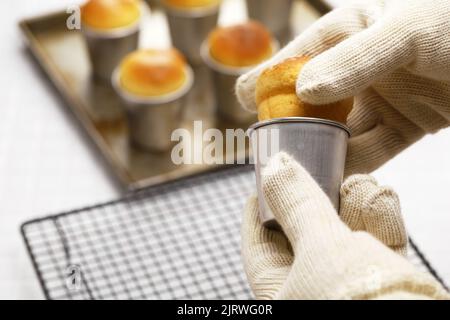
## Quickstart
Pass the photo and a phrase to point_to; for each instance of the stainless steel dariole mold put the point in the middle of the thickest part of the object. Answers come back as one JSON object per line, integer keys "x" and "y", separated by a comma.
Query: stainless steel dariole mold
{"x": 189, "y": 27}
{"x": 319, "y": 145}
{"x": 107, "y": 48}
{"x": 224, "y": 81}
{"x": 152, "y": 120}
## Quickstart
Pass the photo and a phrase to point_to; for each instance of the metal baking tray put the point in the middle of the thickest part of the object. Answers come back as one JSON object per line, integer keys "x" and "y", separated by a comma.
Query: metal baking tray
{"x": 62, "y": 54}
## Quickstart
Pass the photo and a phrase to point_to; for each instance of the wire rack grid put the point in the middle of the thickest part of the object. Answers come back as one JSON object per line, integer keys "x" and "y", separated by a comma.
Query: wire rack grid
{"x": 176, "y": 241}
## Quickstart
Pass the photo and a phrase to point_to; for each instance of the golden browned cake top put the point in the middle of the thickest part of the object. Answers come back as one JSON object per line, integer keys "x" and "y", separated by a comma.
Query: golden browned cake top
{"x": 276, "y": 95}
{"x": 109, "y": 14}
{"x": 153, "y": 73}
{"x": 279, "y": 79}
{"x": 191, "y": 3}
{"x": 241, "y": 45}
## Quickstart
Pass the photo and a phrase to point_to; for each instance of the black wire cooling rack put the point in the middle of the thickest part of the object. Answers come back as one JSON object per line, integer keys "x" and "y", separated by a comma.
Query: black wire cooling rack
{"x": 176, "y": 241}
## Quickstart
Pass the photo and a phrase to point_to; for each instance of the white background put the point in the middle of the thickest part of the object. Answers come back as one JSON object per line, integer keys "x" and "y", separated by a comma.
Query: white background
{"x": 47, "y": 164}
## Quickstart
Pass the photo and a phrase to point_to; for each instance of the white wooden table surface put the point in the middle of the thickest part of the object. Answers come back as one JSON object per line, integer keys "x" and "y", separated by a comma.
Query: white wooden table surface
{"x": 47, "y": 165}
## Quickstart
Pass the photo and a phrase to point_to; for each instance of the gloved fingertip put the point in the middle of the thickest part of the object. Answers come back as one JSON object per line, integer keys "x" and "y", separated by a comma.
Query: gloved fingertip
{"x": 282, "y": 175}
{"x": 382, "y": 216}
{"x": 278, "y": 164}
{"x": 241, "y": 83}
{"x": 311, "y": 88}
{"x": 307, "y": 91}
{"x": 382, "y": 199}
{"x": 245, "y": 92}
{"x": 315, "y": 85}
{"x": 279, "y": 176}
{"x": 357, "y": 183}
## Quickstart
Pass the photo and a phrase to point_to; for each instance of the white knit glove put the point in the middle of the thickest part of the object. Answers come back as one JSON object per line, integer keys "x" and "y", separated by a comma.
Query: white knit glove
{"x": 393, "y": 56}
{"x": 318, "y": 256}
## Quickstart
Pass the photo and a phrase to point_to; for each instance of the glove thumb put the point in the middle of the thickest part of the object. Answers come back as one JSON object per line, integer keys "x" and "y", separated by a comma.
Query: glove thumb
{"x": 298, "y": 203}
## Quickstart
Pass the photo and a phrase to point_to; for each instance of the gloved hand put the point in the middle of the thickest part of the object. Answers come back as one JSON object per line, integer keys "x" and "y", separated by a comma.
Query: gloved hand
{"x": 392, "y": 56}
{"x": 320, "y": 257}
